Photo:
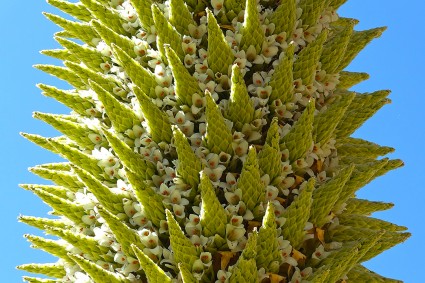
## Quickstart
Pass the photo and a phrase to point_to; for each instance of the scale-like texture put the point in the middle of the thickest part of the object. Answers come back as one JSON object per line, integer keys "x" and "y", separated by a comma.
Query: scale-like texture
{"x": 209, "y": 141}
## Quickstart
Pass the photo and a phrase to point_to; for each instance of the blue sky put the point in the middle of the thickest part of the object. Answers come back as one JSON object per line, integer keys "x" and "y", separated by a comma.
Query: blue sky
{"x": 393, "y": 61}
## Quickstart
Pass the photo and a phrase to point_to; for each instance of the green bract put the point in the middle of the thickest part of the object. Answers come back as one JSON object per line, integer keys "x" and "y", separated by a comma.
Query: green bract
{"x": 209, "y": 141}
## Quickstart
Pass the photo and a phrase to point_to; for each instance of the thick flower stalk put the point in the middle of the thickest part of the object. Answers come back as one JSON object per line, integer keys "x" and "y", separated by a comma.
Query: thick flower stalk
{"x": 209, "y": 141}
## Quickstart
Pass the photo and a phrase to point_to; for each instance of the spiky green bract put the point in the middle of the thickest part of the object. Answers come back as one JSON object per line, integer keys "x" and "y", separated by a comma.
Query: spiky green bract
{"x": 349, "y": 79}
{"x": 326, "y": 121}
{"x": 59, "y": 177}
{"x": 213, "y": 215}
{"x": 37, "y": 280}
{"x": 268, "y": 255}
{"x": 96, "y": 272}
{"x": 299, "y": 139}
{"x": 77, "y": 10}
{"x": 49, "y": 269}
{"x": 121, "y": 116}
{"x": 311, "y": 11}
{"x": 220, "y": 56}
{"x": 152, "y": 271}
{"x": 284, "y": 17}
{"x": 365, "y": 207}
{"x": 180, "y": 16}
{"x": 41, "y": 223}
{"x": 360, "y": 273}
{"x": 241, "y": 108}
{"x": 218, "y": 136}
{"x": 361, "y": 148}
{"x": 183, "y": 249}
{"x": 269, "y": 158}
{"x": 282, "y": 78}
{"x": 297, "y": 215}
{"x": 124, "y": 234}
{"x": 253, "y": 190}
{"x": 186, "y": 85}
{"x": 189, "y": 164}
{"x": 252, "y": 33}
{"x": 166, "y": 34}
{"x": 112, "y": 201}
{"x": 326, "y": 195}
{"x": 186, "y": 274}
{"x": 151, "y": 201}
{"x": 306, "y": 63}
{"x": 157, "y": 120}
{"x": 64, "y": 74}
{"x": 56, "y": 248}
{"x": 143, "y": 9}
{"x": 245, "y": 270}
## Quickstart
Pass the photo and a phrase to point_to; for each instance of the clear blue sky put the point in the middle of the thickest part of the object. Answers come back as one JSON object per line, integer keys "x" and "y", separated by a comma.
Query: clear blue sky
{"x": 393, "y": 61}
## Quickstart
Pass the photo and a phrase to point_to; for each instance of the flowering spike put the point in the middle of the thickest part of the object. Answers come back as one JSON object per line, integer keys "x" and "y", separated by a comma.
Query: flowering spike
{"x": 361, "y": 108}
{"x": 124, "y": 234}
{"x": 252, "y": 32}
{"x": 143, "y": 9}
{"x": 358, "y": 41}
{"x": 241, "y": 108}
{"x": 213, "y": 215}
{"x": 81, "y": 31}
{"x": 365, "y": 207}
{"x": 362, "y": 148}
{"x": 132, "y": 160}
{"x": 282, "y": 78}
{"x": 42, "y": 223}
{"x": 140, "y": 76}
{"x": 96, "y": 272}
{"x": 121, "y": 116}
{"x": 183, "y": 249}
{"x": 325, "y": 122}
{"x": 189, "y": 164}
{"x": 335, "y": 48}
{"x": 153, "y": 272}
{"x": 111, "y": 37}
{"x": 62, "y": 73}
{"x": 180, "y": 16}
{"x": 67, "y": 98}
{"x": 185, "y": 84}
{"x": 327, "y": 195}
{"x": 59, "y": 177}
{"x": 284, "y": 17}
{"x": 218, "y": 136}
{"x": 106, "y": 15}
{"x": 64, "y": 124}
{"x": 53, "y": 247}
{"x": 158, "y": 122}
{"x": 299, "y": 139}
{"x": 220, "y": 55}
{"x": 253, "y": 190}
{"x": 49, "y": 269}
{"x": 311, "y": 11}
{"x": 362, "y": 175}
{"x": 112, "y": 201}
{"x": 166, "y": 34}
{"x": 268, "y": 254}
{"x": 86, "y": 54}
{"x": 151, "y": 201}
{"x": 186, "y": 274}
{"x": 269, "y": 158}
{"x": 297, "y": 215}
{"x": 77, "y": 10}
{"x": 61, "y": 54}
{"x": 306, "y": 64}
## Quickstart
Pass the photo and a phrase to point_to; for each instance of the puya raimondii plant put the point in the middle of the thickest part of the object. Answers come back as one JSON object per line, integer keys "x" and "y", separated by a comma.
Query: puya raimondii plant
{"x": 209, "y": 141}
